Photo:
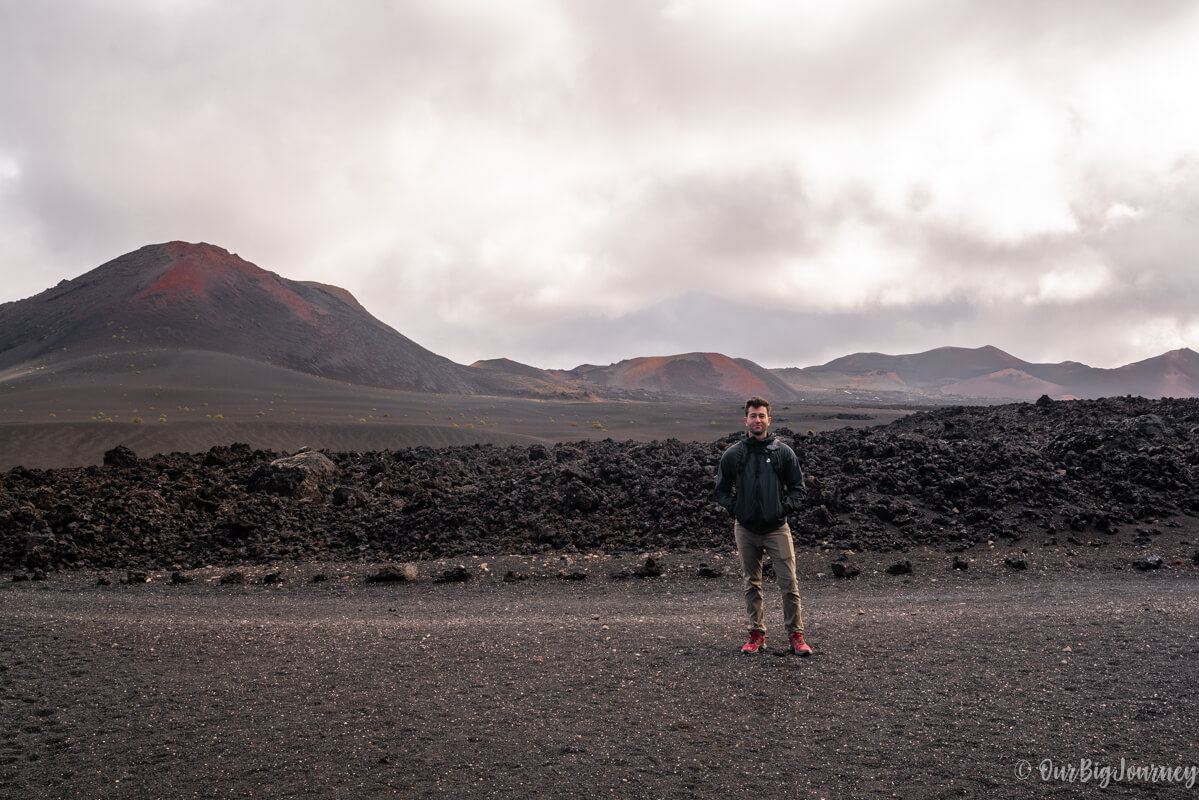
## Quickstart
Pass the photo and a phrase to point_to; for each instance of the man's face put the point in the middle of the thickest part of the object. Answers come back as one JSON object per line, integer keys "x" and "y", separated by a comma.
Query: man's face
{"x": 757, "y": 421}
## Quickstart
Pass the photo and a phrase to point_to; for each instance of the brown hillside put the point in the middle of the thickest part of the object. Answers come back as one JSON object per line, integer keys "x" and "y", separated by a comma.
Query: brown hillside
{"x": 201, "y": 297}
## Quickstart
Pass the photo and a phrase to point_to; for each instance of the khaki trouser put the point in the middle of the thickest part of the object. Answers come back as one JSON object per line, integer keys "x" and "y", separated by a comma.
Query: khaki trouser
{"x": 752, "y": 547}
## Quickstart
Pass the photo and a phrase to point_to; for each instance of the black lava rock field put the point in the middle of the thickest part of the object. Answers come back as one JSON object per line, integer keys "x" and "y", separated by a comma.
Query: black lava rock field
{"x": 954, "y": 477}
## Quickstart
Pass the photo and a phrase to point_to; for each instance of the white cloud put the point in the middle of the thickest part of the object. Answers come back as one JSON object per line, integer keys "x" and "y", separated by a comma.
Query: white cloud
{"x": 1164, "y": 333}
{"x": 1069, "y": 285}
{"x": 1120, "y": 213}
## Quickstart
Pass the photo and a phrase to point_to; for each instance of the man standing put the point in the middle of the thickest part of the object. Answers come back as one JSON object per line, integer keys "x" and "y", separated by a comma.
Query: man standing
{"x": 760, "y": 483}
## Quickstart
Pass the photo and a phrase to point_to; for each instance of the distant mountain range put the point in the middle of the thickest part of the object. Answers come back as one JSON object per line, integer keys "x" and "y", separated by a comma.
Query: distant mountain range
{"x": 955, "y": 374}
{"x": 179, "y": 297}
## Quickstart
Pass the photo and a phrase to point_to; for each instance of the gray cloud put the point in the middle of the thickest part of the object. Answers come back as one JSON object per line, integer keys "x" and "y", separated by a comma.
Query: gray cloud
{"x": 563, "y": 182}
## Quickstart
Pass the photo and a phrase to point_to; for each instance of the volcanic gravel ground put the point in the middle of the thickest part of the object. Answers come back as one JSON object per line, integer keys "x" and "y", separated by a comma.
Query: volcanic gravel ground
{"x": 984, "y": 587}
{"x": 1070, "y": 475}
{"x": 921, "y": 687}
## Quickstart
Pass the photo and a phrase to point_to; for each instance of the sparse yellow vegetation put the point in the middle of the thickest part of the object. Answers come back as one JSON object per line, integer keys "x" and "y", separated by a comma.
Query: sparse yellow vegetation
{"x": 137, "y": 420}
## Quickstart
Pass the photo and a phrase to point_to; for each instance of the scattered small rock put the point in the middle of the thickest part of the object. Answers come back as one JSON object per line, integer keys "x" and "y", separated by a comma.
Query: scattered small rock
{"x": 843, "y": 570}
{"x": 392, "y": 573}
{"x": 458, "y": 574}
{"x": 302, "y": 475}
{"x": 650, "y": 569}
{"x": 120, "y": 457}
{"x": 348, "y": 497}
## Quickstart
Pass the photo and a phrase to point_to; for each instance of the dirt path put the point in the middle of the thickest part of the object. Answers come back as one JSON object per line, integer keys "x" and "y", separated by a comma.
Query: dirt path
{"x": 548, "y": 688}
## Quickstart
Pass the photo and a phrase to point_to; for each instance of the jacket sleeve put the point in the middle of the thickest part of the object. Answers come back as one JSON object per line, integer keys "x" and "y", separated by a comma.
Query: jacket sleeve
{"x": 794, "y": 492}
{"x": 724, "y": 483}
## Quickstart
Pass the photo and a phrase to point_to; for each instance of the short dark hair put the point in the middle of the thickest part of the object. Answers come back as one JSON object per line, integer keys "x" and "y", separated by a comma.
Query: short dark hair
{"x": 757, "y": 402}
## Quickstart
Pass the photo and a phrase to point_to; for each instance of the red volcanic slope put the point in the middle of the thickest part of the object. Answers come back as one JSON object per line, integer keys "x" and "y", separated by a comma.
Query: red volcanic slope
{"x": 201, "y": 297}
{"x": 203, "y": 272}
{"x": 701, "y": 375}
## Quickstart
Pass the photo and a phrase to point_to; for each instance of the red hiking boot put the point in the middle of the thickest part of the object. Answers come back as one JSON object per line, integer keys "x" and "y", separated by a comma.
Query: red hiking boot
{"x": 799, "y": 646}
{"x": 757, "y": 640}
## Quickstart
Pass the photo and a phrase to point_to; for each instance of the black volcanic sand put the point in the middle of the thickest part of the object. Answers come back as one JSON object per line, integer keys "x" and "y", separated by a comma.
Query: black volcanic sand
{"x": 372, "y": 422}
{"x": 940, "y": 683}
{"x": 161, "y": 402}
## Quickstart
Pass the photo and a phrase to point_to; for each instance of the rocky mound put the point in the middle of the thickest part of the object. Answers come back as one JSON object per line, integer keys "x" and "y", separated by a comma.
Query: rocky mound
{"x": 953, "y": 477}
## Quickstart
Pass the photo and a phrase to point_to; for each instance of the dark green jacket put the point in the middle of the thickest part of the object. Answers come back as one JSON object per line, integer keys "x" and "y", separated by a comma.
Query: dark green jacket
{"x": 760, "y": 483}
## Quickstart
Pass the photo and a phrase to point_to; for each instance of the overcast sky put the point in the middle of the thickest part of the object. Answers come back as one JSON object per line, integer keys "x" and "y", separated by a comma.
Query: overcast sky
{"x": 590, "y": 180}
